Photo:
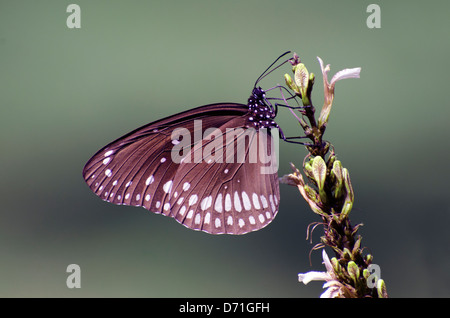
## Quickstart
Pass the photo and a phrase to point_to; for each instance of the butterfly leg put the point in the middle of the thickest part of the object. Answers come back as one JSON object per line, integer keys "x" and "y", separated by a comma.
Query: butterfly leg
{"x": 291, "y": 139}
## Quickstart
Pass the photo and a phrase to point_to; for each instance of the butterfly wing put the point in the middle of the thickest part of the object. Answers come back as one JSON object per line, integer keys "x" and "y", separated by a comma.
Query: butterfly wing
{"x": 137, "y": 169}
{"x": 230, "y": 196}
{"x": 229, "y": 193}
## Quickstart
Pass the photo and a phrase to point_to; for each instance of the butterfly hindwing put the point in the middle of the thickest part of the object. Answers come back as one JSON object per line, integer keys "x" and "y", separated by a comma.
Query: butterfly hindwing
{"x": 232, "y": 195}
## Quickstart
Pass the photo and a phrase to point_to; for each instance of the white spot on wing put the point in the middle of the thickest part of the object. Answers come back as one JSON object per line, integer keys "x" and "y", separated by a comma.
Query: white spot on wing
{"x": 197, "y": 218}
{"x": 241, "y": 223}
{"x": 261, "y": 218}
{"x": 256, "y": 201}
{"x": 252, "y": 220}
{"x": 108, "y": 153}
{"x": 147, "y": 197}
{"x": 207, "y": 218}
{"x": 167, "y": 187}
{"x": 108, "y": 172}
{"x": 106, "y": 160}
{"x": 190, "y": 214}
{"x": 193, "y": 199}
{"x": 167, "y": 207}
{"x": 246, "y": 201}
{"x": 271, "y": 203}
{"x": 186, "y": 186}
{"x": 264, "y": 201}
{"x": 237, "y": 202}
{"x": 228, "y": 202}
{"x": 149, "y": 180}
{"x": 230, "y": 220}
{"x": 138, "y": 197}
{"x": 182, "y": 210}
{"x": 217, "y": 223}
{"x": 206, "y": 203}
{"x": 218, "y": 204}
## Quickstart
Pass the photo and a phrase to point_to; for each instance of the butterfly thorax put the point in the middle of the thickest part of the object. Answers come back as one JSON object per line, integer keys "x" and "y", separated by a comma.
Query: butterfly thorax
{"x": 262, "y": 112}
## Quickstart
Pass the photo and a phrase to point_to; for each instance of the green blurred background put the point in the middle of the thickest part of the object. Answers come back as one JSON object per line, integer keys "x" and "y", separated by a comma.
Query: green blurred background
{"x": 65, "y": 93}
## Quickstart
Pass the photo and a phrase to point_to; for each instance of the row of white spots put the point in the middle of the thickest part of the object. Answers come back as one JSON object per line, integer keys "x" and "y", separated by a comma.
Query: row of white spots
{"x": 238, "y": 205}
{"x": 230, "y": 220}
{"x": 218, "y": 222}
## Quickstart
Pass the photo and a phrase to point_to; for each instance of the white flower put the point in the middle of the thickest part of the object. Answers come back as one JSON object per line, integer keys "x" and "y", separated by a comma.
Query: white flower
{"x": 345, "y": 73}
{"x": 334, "y": 287}
{"x": 329, "y": 87}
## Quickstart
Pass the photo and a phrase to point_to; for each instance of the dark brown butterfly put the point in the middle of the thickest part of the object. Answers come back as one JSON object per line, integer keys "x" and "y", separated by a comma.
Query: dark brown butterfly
{"x": 198, "y": 166}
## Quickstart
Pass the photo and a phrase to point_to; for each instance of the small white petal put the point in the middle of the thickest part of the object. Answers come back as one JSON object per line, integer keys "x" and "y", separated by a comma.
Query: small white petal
{"x": 326, "y": 262}
{"x": 346, "y": 73}
{"x": 310, "y": 276}
{"x": 324, "y": 69}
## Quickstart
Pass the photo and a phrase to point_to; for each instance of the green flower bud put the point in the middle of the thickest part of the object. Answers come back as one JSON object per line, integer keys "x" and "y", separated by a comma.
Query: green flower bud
{"x": 348, "y": 184}
{"x": 319, "y": 170}
{"x": 308, "y": 169}
{"x": 311, "y": 193}
{"x": 346, "y": 254}
{"x": 348, "y": 203}
{"x": 336, "y": 171}
{"x": 312, "y": 78}
{"x": 301, "y": 77}
{"x": 366, "y": 273}
{"x": 356, "y": 248}
{"x": 291, "y": 84}
{"x": 381, "y": 289}
{"x": 353, "y": 271}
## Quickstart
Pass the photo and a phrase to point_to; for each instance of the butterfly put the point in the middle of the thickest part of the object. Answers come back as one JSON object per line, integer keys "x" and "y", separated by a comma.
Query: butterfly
{"x": 211, "y": 168}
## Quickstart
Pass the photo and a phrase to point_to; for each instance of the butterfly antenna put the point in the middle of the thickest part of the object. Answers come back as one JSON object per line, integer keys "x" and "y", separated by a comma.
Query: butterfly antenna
{"x": 264, "y": 74}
